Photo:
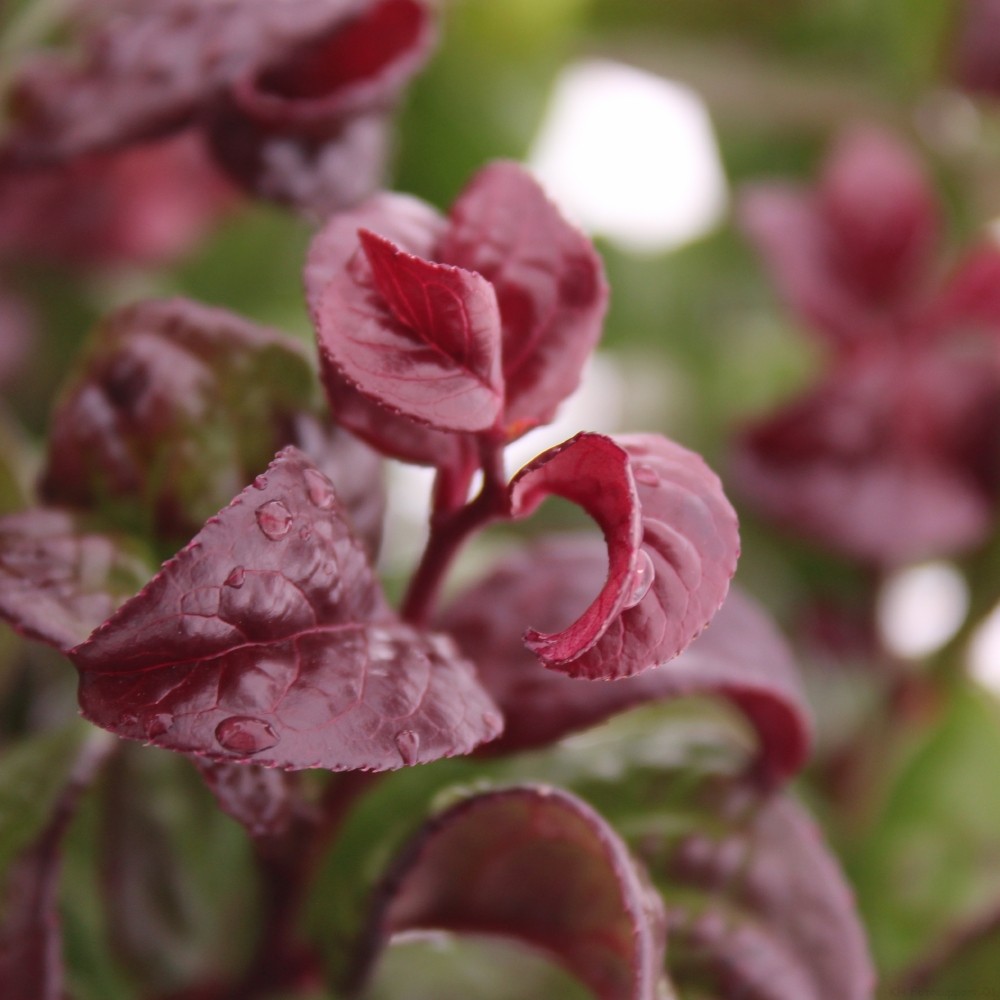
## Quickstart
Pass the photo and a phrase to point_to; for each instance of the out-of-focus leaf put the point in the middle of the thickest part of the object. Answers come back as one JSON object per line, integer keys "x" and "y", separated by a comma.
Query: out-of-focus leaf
{"x": 31, "y": 775}
{"x": 267, "y": 639}
{"x": 759, "y": 908}
{"x": 929, "y": 863}
{"x": 59, "y": 580}
{"x": 538, "y": 865}
{"x": 676, "y": 580}
{"x": 176, "y": 409}
{"x": 31, "y": 962}
{"x": 740, "y": 657}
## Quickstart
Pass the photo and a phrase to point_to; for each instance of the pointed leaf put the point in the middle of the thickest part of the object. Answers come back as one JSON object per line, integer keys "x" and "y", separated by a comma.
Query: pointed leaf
{"x": 740, "y": 657}
{"x": 58, "y": 580}
{"x": 659, "y": 595}
{"x": 267, "y": 638}
{"x": 549, "y": 283}
{"x": 414, "y": 227}
{"x": 538, "y": 865}
{"x": 419, "y": 338}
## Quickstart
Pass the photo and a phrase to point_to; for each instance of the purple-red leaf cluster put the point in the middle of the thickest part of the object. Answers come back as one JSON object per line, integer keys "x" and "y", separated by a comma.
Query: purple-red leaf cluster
{"x": 268, "y": 639}
{"x": 430, "y": 328}
{"x": 538, "y": 865}
{"x": 740, "y": 657}
{"x": 292, "y": 97}
{"x": 890, "y": 458}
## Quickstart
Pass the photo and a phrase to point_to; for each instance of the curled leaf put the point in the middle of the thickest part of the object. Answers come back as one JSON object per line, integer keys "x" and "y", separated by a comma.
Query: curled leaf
{"x": 659, "y": 595}
{"x": 538, "y": 865}
{"x": 59, "y": 580}
{"x": 740, "y": 657}
{"x": 267, "y": 639}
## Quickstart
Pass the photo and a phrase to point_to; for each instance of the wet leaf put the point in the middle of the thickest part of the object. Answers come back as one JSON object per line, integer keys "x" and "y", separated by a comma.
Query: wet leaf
{"x": 268, "y": 640}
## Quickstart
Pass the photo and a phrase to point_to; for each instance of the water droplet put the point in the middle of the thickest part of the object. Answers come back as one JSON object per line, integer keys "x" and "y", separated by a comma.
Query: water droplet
{"x": 244, "y": 735}
{"x": 260, "y": 483}
{"x": 408, "y": 745}
{"x": 156, "y": 724}
{"x": 236, "y": 578}
{"x": 642, "y": 580}
{"x": 305, "y": 534}
{"x": 274, "y": 519}
{"x": 645, "y": 474}
{"x": 320, "y": 491}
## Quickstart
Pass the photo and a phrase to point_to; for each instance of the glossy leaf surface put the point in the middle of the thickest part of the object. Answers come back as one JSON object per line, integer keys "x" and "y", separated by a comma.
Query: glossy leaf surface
{"x": 538, "y": 865}
{"x": 59, "y": 580}
{"x": 419, "y": 338}
{"x": 740, "y": 657}
{"x": 676, "y": 580}
{"x": 267, "y": 638}
{"x": 549, "y": 283}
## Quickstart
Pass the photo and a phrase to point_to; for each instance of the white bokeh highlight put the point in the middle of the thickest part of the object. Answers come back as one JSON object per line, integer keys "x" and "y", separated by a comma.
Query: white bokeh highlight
{"x": 984, "y": 652}
{"x": 920, "y": 608}
{"x": 630, "y": 156}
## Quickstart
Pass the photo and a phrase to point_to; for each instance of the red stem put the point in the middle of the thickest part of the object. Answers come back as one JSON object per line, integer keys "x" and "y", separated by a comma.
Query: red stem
{"x": 449, "y": 532}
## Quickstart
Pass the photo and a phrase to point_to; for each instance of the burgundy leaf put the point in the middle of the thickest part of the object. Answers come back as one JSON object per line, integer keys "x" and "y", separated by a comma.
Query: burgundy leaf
{"x": 594, "y": 472}
{"x": 294, "y": 95}
{"x": 550, "y": 292}
{"x": 59, "y": 581}
{"x": 740, "y": 657}
{"x": 880, "y": 213}
{"x": 146, "y": 205}
{"x": 267, "y": 638}
{"x": 549, "y": 283}
{"x": 418, "y": 338}
{"x": 659, "y": 595}
{"x": 785, "y": 227}
{"x": 535, "y": 864}
{"x": 778, "y": 920}
{"x": 415, "y": 228}
{"x": 887, "y": 460}
{"x": 31, "y": 964}
{"x": 178, "y": 406}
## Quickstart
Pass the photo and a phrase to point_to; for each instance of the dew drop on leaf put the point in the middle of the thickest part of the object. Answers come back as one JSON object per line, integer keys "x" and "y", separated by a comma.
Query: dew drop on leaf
{"x": 642, "y": 580}
{"x": 645, "y": 474}
{"x": 319, "y": 490}
{"x": 408, "y": 745}
{"x": 245, "y": 735}
{"x": 274, "y": 519}
{"x": 236, "y": 578}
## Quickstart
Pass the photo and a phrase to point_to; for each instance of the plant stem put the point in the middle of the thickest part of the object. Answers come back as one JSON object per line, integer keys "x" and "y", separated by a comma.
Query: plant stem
{"x": 450, "y": 530}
